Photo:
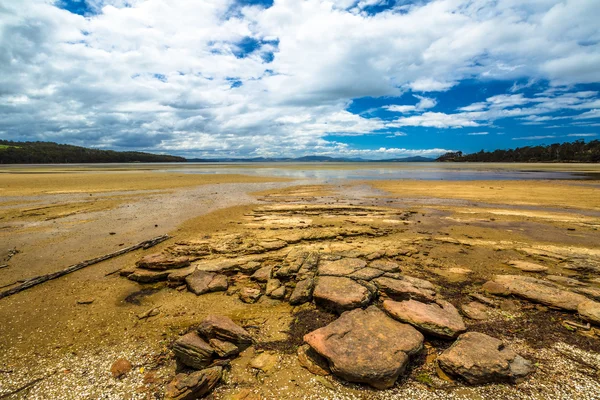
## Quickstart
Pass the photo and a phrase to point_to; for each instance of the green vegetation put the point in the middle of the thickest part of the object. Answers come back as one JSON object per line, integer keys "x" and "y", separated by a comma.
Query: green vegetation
{"x": 577, "y": 151}
{"x": 54, "y": 153}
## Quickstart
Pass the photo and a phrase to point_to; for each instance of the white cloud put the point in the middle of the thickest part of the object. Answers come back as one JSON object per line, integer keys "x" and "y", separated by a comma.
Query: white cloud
{"x": 581, "y": 135}
{"x": 423, "y": 104}
{"x": 478, "y": 133}
{"x": 534, "y": 137}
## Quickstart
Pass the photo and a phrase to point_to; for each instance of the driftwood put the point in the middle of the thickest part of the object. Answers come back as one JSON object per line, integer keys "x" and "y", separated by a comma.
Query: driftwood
{"x": 25, "y": 386}
{"x": 44, "y": 278}
{"x": 3, "y": 266}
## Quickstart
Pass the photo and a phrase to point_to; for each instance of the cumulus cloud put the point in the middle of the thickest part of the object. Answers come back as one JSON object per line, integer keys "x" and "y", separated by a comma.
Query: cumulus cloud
{"x": 221, "y": 77}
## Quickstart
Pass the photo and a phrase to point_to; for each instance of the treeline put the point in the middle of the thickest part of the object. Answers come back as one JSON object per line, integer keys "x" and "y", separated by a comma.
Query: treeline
{"x": 578, "y": 151}
{"x": 54, "y": 153}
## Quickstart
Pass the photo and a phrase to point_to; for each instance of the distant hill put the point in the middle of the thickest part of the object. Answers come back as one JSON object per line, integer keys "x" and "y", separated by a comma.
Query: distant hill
{"x": 577, "y": 151}
{"x": 310, "y": 159}
{"x": 54, "y": 153}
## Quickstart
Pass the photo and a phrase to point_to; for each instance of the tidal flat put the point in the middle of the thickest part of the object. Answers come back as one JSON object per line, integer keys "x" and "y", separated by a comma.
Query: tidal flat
{"x": 503, "y": 247}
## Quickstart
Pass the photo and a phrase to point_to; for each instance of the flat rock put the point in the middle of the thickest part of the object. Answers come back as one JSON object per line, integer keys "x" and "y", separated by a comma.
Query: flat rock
{"x": 263, "y": 274}
{"x": 343, "y": 267}
{"x": 401, "y": 289}
{"x": 566, "y": 281}
{"x": 265, "y": 361}
{"x": 272, "y": 285}
{"x": 495, "y": 288}
{"x": 161, "y": 262}
{"x": 200, "y": 282}
{"x": 224, "y": 348}
{"x": 527, "y": 266}
{"x": 278, "y": 293}
{"x": 366, "y": 273}
{"x": 177, "y": 277}
{"x": 293, "y": 263}
{"x": 439, "y": 319}
{"x": 592, "y": 292}
{"x": 366, "y": 346}
{"x": 312, "y": 361}
{"x": 192, "y": 351}
{"x": 478, "y": 359}
{"x": 303, "y": 292}
{"x": 590, "y": 311}
{"x": 386, "y": 266}
{"x": 193, "y": 386}
{"x": 540, "y": 291}
{"x": 340, "y": 293}
{"x": 146, "y": 276}
{"x": 475, "y": 310}
{"x": 223, "y": 328}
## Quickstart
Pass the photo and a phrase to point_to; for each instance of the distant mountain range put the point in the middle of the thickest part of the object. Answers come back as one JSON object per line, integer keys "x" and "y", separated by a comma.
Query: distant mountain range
{"x": 324, "y": 159}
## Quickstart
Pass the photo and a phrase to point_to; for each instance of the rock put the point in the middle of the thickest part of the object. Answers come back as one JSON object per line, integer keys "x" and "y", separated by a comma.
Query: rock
{"x": 278, "y": 293}
{"x": 590, "y": 311}
{"x": 161, "y": 262}
{"x": 527, "y": 266}
{"x": 263, "y": 274}
{"x": 375, "y": 255}
{"x": 293, "y": 263}
{"x": 475, "y": 310}
{"x": 366, "y": 346}
{"x": 273, "y": 244}
{"x": 309, "y": 266}
{"x": 340, "y": 294}
{"x": 563, "y": 280}
{"x": 223, "y": 348}
{"x": 312, "y": 361}
{"x": 402, "y": 289}
{"x": 460, "y": 271}
{"x": 145, "y": 276}
{"x": 478, "y": 358}
{"x": 177, "y": 277}
{"x": 540, "y": 291}
{"x": 439, "y": 319}
{"x": 265, "y": 361}
{"x": 492, "y": 287}
{"x": 223, "y": 328}
{"x": 195, "y": 385}
{"x": 272, "y": 285}
{"x": 120, "y": 368}
{"x": 386, "y": 266}
{"x": 482, "y": 299}
{"x": 366, "y": 273}
{"x": 592, "y": 292}
{"x": 192, "y": 351}
{"x": 343, "y": 267}
{"x": 303, "y": 292}
{"x": 201, "y": 282}
{"x": 249, "y": 295}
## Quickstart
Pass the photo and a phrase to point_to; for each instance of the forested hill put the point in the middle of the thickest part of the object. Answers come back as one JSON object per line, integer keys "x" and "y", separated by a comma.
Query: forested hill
{"x": 577, "y": 151}
{"x": 54, "y": 153}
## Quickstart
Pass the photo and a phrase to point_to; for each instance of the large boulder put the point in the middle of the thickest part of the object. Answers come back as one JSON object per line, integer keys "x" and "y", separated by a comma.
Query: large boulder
{"x": 439, "y": 319}
{"x": 478, "y": 359}
{"x": 340, "y": 294}
{"x": 223, "y": 328}
{"x": 303, "y": 292}
{"x": 366, "y": 346}
{"x": 192, "y": 351}
{"x": 200, "y": 282}
{"x": 540, "y": 291}
{"x": 195, "y": 385}
{"x": 406, "y": 288}
{"x": 161, "y": 262}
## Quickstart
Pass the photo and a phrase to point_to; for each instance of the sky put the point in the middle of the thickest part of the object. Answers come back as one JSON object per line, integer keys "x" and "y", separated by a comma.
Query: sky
{"x": 281, "y": 78}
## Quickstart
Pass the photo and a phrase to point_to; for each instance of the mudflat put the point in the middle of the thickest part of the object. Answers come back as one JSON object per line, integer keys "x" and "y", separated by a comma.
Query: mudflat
{"x": 497, "y": 256}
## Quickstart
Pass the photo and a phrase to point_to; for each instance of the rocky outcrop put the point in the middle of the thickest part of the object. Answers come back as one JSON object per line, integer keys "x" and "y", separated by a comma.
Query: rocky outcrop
{"x": 439, "y": 319}
{"x": 192, "y": 351}
{"x": 223, "y": 328}
{"x": 478, "y": 359}
{"x": 195, "y": 385}
{"x": 540, "y": 291}
{"x": 366, "y": 346}
{"x": 201, "y": 282}
{"x": 340, "y": 294}
{"x": 303, "y": 292}
{"x": 161, "y": 262}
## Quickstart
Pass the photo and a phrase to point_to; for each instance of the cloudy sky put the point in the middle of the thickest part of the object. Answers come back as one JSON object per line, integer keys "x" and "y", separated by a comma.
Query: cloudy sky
{"x": 247, "y": 78}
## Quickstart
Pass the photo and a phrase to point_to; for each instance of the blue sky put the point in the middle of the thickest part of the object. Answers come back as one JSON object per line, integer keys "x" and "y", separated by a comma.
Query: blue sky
{"x": 246, "y": 78}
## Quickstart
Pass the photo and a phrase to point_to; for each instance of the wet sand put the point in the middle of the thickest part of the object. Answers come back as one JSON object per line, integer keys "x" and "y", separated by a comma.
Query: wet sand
{"x": 454, "y": 226}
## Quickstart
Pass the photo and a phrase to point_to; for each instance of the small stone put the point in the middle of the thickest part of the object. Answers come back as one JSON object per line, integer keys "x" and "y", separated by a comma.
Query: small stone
{"x": 265, "y": 361}
{"x": 475, "y": 310}
{"x": 249, "y": 294}
{"x": 492, "y": 287}
{"x": 161, "y": 262}
{"x": 85, "y": 301}
{"x": 263, "y": 274}
{"x": 192, "y": 351}
{"x": 145, "y": 276}
{"x": 303, "y": 292}
{"x": 193, "y": 386}
{"x": 478, "y": 359}
{"x": 223, "y": 328}
{"x": 223, "y": 348}
{"x": 482, "y": 299}
{"x": 120, "y": 368}
{"x": 312, "y": 361}
{"x": 272, "y": 285}
{"x": 278, "y": 293}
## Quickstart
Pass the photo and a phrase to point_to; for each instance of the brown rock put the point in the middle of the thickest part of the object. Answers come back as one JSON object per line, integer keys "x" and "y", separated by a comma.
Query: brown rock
{"x": 161, "y": 262}
{"x": 272, "y": 285}
{"x": 309, "y": 266}
{"x": 402, "y": 289}
{"x": 312, "y": 361}
{"x": 192, "y": 351}
{"x": 193, "y": 386}
{"x": 223, "y": 328}
{"x": 120, "y": 368}
{"x": 563, "y": 280}
{"x": 177, "y": 277}
{"x": 263, "y": 274}
{"x": 223, "y": 348}
{"x": 386, "y": 266}
{"x": 265, "y": 361}
{"x": 343, "y": 267}
{"x": 366, "y": 346}
{"x": 590, "y": 311}
{"x": 492, "y": 287}
{"x": 303, "y": 292}
{"x": 475, "y": 310}
{"x": 540, "y": 291}
{"x": 366, "y": 273}
{"x": 249, "y": 295}
{"x": 527, "y": 266}
{"x": 201, "y": 282}
{"x": 145, "y": 276}
{"x": 340, "y": 294}
{"x": 440, "y": 318}
{"x": 478, "y": 358}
